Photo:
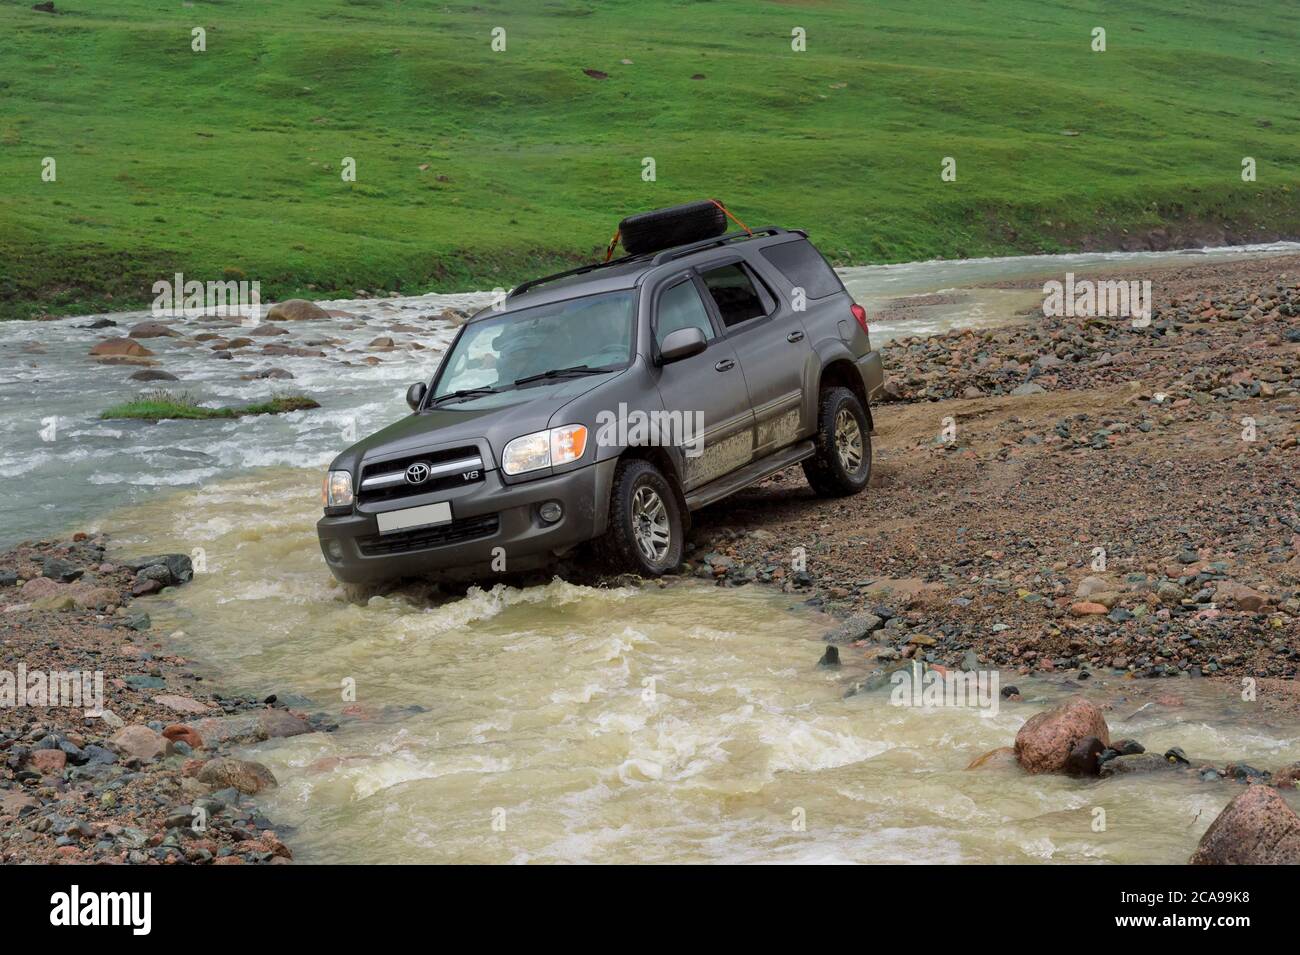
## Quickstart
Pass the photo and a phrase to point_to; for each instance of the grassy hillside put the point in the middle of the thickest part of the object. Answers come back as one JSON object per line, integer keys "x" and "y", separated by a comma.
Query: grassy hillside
{"x": 478, "y": 168}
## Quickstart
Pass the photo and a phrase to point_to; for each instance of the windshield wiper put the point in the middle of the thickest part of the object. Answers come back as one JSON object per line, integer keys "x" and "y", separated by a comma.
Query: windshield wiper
{"x": 463, "y": 393}
{"x": 562, "y": 373}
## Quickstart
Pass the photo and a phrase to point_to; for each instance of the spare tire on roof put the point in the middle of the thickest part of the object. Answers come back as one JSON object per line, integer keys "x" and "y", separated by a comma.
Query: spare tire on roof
{"x": 677, "y": 225}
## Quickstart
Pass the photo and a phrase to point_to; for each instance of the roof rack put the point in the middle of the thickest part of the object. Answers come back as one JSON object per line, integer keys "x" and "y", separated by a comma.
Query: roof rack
{"x": 659, "y": 258}
{"x": 533, "y": 283}
{"x": 678, "y": 251}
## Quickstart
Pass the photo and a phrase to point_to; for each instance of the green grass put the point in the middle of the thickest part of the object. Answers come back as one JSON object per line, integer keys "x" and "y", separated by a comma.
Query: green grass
{"x": 228, "y": 161}
{"x": 159, "y": 405}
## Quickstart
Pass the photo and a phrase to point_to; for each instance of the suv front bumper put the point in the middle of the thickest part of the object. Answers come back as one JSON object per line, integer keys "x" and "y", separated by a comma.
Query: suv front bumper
{"x": 495, "y": 529}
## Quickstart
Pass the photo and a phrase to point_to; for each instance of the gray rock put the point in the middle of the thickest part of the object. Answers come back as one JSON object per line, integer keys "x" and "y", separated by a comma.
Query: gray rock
{"x": 1136, "y": 763}
{"x": 153, "y": 374}
{"x": 56, "y": 568}
{"x": 179, "y": 565}
{"x": 857, "y": 627}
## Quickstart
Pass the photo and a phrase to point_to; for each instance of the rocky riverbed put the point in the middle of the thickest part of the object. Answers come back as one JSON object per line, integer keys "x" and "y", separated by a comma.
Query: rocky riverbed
{"x": 150, "y": 779}
{"x": 1069, "y": 494}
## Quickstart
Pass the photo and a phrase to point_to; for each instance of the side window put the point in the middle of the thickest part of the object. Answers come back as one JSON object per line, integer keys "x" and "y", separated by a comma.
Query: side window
{"x": 680, "y": 307}
{"x": 734, "y": 294}
{"x": 804, "y": 267}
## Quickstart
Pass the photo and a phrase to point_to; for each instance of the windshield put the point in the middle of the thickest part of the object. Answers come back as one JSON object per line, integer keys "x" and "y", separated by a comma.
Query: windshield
{"x": 594, "y": 332}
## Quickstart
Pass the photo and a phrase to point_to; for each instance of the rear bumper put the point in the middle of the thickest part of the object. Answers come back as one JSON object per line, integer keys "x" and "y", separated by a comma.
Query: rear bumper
{"x": 872, "y": 370}
{"x": 474, "y": 545}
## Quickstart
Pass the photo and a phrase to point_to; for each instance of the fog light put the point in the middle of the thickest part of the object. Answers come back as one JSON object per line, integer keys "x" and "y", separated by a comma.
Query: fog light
{"x": 551, "y": 511}
{"x": 333, "y": 550}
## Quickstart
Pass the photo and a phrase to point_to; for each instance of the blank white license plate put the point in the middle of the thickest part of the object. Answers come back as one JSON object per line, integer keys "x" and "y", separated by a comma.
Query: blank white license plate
{"x": 425, "y": 516}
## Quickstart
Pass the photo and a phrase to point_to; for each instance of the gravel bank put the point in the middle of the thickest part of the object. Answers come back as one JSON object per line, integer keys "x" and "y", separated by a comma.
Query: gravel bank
{"x": 1070, "y": 494}
{"x": 150, "y": 780}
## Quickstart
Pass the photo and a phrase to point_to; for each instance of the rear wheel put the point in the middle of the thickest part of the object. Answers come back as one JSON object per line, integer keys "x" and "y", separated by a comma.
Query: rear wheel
{"x": 842, "y": 464}
{"x": 645, "y": 533}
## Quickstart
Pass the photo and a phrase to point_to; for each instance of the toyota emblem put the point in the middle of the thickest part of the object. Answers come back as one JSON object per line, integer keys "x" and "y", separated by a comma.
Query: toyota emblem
{"x": 417, "y": 473}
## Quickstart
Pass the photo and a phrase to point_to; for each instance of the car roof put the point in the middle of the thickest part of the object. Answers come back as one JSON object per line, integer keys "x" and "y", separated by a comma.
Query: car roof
{"x": 629, "y": 271}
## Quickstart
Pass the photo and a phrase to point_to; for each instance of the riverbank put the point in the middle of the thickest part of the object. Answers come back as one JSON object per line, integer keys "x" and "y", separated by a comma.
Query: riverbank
{"x": 151, "y": 780}
{"x": 1069, "y": 494}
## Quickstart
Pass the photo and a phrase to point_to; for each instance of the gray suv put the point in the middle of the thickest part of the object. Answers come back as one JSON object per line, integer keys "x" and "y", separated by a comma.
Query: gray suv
{"x": 606, "y": 403}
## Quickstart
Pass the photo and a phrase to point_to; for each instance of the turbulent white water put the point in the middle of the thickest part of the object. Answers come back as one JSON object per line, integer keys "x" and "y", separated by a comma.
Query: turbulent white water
{"x": 562, "y": 723}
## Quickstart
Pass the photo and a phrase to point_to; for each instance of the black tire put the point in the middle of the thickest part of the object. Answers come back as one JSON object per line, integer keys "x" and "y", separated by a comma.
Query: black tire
{"x": 622, "y": 545}
{"x": 828, "y": 471}
{"x": 662, "y": 229}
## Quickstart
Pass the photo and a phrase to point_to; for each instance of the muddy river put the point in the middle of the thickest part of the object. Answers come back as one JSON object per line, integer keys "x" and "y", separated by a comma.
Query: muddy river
{"x": 561, "y": 723}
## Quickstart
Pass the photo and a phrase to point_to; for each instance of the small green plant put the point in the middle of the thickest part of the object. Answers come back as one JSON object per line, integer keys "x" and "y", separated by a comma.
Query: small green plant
{"x": 160, "y": 405}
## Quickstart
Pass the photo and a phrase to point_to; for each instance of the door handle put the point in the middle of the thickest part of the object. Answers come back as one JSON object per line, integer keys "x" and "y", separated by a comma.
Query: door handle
{"x": 725, "y": 365}
{"x": 794, "y": 337}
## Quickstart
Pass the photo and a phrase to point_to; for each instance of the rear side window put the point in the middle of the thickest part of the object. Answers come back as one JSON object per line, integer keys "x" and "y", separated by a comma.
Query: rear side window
{"x": 803, "y": 265}
{"x": 680, "y": 307}
{"x": 737, "y": 299}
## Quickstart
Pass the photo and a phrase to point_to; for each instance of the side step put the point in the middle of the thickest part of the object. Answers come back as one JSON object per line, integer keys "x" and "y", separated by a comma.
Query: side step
{"x": 749, "y": 474}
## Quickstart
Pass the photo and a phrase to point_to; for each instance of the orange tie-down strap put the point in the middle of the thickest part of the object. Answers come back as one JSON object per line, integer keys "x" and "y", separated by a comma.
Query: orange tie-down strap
{"x": 727, "y": 213}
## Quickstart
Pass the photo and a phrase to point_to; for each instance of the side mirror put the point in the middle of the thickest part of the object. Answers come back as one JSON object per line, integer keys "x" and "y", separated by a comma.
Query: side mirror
{"x": 682, "y": 343}
{"x": 415, "y": 395}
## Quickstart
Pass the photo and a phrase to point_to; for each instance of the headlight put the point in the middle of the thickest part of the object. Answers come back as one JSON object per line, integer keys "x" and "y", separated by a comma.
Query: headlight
{"x": 544, "y": 449}
{"x": 337, "y": 490}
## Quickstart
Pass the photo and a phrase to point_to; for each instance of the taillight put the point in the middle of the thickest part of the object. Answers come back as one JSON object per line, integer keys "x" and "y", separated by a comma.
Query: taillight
{"x": 860, "y": 314}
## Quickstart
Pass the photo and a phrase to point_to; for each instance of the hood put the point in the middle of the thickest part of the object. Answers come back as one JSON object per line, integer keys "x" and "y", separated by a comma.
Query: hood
{"x": 496, "y": 419}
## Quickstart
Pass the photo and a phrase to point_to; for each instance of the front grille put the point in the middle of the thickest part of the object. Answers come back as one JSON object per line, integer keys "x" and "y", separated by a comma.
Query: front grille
{"x": 387, "y": 480}
{"x": 471, "y": 528}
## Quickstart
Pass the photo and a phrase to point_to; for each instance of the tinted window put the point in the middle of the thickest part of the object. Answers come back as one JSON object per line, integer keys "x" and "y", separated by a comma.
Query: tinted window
{"x": 680, "y": 307}
{"x": 803, "y": 265}
{"x": 737, "y": 299}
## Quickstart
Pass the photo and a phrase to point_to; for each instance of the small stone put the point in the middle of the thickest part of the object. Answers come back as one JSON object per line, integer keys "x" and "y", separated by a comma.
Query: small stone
{"x": 139, "y": 742}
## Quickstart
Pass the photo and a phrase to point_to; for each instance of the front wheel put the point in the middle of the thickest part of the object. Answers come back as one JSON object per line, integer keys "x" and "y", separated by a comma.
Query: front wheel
{"x": 842, "y": 464}
{"x": 645, "y": 533}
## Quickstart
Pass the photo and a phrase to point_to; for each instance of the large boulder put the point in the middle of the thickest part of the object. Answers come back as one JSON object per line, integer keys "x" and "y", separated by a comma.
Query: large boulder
{"x": 250, "y": 727}
{"x": 296, "y": 310}
{"x": 1256, "y": 828}
{"x": 247, "y": 777}
{"x": 1045, "y": 742}
{"x": 120, "y": 347}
